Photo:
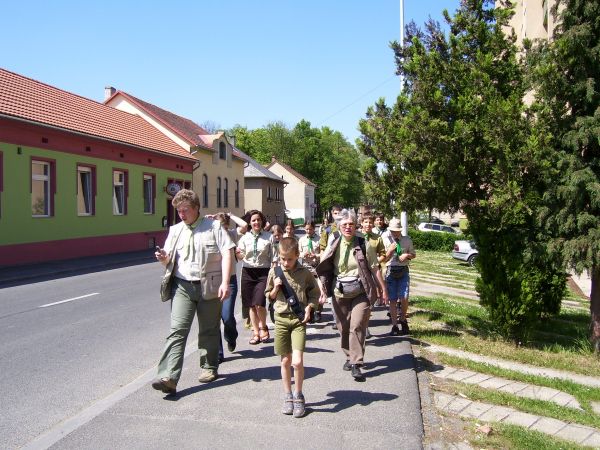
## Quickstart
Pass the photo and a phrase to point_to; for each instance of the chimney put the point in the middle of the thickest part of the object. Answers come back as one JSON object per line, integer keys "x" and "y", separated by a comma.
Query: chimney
{"x": 272, "y": 158}
{"x": 109, "y": 91}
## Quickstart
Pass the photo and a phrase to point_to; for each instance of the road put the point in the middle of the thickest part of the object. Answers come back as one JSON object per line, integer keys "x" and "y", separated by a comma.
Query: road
{"x": 79, "y": 351}
{"x": 58, "y": 359}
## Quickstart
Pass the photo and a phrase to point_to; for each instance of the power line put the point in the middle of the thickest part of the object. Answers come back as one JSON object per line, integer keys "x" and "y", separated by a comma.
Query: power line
{"x": 356, "y": 100}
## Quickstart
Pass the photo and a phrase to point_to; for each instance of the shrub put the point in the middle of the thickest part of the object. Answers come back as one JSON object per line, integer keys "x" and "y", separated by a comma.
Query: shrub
{"x": 429, "y": 240}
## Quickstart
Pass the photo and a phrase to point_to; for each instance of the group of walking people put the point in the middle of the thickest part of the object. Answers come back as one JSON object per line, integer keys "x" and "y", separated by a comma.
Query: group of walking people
{"x": 355, "y": 270}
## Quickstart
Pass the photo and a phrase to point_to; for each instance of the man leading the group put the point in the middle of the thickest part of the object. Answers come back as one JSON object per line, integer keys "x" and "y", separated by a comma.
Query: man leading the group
{"x": 399, "y": 252}
{"x": 202, "y": 250}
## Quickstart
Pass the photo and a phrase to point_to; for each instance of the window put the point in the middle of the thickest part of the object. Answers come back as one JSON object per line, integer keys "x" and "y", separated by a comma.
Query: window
{"x": 218, "y": 192}
{"x": 237, "y": 194}
{"x": 1, "y": 180}
{"x": 42, "y": 188}
{"x": 269, "y": 194}
{"x": 436, "y": 227}
{"x": 119, "y": 192}
{"x": 149, "y": 190}
{"x": 86, "y": 190}
{"x": 204, "y": 191}
{"x": 222, "y": 151}
{"x": 226, "y": 194}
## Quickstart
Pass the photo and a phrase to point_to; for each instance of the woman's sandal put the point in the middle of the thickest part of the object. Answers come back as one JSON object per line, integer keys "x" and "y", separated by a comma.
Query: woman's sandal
{"x": 255, "y": 340}
{"x": 266, "y": 336}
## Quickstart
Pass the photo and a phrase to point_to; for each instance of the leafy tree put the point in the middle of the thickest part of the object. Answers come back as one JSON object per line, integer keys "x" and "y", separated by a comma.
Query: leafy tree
{"x": 566, "y": 82}
{"x": 324, "y": 156}
{"x": 458, "y": 138}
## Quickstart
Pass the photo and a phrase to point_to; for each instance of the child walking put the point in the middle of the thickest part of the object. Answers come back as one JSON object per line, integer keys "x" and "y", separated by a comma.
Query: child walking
{"x": 290, "y": 331}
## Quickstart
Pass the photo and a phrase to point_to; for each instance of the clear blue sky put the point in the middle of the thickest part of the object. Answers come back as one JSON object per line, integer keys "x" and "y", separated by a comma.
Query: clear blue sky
{"x": 247, "y": 62}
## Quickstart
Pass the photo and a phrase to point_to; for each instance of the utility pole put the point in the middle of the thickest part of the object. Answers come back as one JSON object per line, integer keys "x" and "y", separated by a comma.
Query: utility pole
{"x": 403, "y": 215}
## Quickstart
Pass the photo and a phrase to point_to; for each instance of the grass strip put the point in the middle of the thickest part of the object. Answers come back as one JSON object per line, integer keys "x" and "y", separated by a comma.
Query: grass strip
{"x": 518, "y": 438}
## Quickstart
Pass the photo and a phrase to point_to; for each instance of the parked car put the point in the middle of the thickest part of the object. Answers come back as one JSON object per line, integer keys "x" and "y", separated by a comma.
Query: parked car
{"x": 437, "y": 220}
{"x": 465, "y": 251}
{"x": 427, "y": 226}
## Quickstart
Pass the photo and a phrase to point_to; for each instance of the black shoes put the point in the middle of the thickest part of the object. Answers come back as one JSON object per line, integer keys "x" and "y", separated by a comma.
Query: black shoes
{"x": 357, "y": 373}
{"x": 347, "y": 366}
{"x": 231, "y": 346}
{"x": 395, "y": 331}
{"x": 405, "y": 329}
{"x": 368, "y": 334}
{"x": 317, "y": 317}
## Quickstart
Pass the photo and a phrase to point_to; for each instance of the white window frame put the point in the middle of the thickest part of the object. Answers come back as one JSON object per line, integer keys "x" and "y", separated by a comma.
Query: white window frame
{"x": 117, "y": 184}
{"x": 45, "y": 179}
{"x": 148, "y": 194}
{"x": 81, "y": 197}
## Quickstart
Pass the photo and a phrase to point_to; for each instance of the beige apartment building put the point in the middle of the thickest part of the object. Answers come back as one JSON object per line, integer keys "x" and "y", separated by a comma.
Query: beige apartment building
{"x": 532, "y": 19}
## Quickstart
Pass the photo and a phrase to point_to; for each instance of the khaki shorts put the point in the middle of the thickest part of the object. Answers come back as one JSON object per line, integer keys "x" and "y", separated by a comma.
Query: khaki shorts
{"x": 290, "y": 334}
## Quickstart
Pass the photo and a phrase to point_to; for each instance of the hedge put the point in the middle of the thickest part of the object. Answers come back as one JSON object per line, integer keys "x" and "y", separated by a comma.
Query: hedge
{"x": 431, "y": 240}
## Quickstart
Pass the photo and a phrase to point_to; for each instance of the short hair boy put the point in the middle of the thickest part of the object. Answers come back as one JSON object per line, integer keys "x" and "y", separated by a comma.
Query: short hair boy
{"x": 290, "y": 332}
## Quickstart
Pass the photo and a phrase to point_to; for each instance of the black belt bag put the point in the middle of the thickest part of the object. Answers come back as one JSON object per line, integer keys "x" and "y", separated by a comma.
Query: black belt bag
{"x": 349, "y": 286}
{"x": 397, "y": 272}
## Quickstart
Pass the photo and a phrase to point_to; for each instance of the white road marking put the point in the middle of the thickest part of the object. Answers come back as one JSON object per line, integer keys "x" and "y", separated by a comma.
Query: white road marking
{"x": 69, "y": 300}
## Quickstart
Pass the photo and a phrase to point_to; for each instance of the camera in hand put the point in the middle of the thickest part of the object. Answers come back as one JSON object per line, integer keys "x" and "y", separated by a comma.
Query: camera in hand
{"x": 297, "y": 309}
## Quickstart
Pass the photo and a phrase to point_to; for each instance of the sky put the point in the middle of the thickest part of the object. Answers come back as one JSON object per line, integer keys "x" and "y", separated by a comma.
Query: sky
{"x": 227, "y": 62}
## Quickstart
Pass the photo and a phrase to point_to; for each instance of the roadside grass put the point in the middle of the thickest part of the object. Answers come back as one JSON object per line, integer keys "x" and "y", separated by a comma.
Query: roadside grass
{"x": 584, "y": 394}
{"x": 559, "y": 342}
{"x": 511, "y": 436}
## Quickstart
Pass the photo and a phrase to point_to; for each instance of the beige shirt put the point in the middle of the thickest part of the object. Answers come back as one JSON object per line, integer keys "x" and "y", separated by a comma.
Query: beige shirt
{"x": 303, "y": 283}
{"x": 263, "y": 256}
{"x": 406, "y": 244}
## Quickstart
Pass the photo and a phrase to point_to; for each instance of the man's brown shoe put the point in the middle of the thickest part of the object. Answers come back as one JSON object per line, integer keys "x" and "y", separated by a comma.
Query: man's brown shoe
{"x": 207, "y": 375}
{"x": 165, "y": 385}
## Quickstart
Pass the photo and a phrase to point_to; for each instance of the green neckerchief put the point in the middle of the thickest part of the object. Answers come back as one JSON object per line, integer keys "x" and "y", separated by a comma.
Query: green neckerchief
{"x": 310, "y": 244}
{"x": 344, "y": 265}
{"x": 256, "y": 236}
{"x": 189, "y": 245}
{"x": 398, "y": 249}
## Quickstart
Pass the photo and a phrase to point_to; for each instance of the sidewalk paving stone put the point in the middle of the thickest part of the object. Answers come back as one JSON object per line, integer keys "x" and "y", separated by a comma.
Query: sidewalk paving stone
{"x": 596, "y": 407}
{"x": 458, "y": 404}
{"x": 460, "y": 375}
{"x": 514, "y": 388}
{"x": 477, "y": 378}
{"x": 575, "y": 433}
{"x": 496, "y": 414}
{"x": 476, "y": 409}
{"x": 521, "y": 418}
{"x": 494, "y": 383}
{"x": 548, "y": 425}
{"x": 593, "y": 440}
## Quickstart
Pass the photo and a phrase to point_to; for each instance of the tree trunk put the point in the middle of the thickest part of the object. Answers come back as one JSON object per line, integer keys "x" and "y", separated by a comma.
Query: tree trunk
{"x": 595, "y": 308}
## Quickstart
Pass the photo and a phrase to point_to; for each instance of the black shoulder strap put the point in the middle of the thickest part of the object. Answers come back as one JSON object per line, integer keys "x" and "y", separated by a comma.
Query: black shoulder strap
{"x": 336, "y": 234}
{"x": 287, "y": 289}
{"x": 360, "y": 243}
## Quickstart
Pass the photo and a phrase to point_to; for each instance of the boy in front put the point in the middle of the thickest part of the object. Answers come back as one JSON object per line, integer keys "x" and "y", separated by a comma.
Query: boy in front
{"x": 290, "y": 332}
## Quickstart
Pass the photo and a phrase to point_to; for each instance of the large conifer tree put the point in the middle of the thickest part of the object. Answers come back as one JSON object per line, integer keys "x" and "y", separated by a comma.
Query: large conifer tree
{"x": 566, "y": 81}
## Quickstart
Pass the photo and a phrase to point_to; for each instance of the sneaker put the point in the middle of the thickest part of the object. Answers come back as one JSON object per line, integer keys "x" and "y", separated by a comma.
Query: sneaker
{"x": 165, "y": 385}
{"x": 405, "y": 329}
{"x": 395, "y": 331}
{"x": 347, "y": 366}
{"x": 288, "y": 404}
{"x": 368, "y": 334}
{"x": 231, "y": 346}
{"x": 299, "y": 406}
{"x": 356, "y": 373}
{"x": 207, "y": 375}
{"x": 334, "y": 326}
{"x": 317, "y": 316}
{"x": 221, "y": 358}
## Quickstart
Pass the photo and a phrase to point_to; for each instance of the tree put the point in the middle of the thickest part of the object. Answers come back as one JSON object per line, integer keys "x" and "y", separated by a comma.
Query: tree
{"x": 458, "y": 137}
{"x": 566, "y": 81}
{"x": 322, "y": 155}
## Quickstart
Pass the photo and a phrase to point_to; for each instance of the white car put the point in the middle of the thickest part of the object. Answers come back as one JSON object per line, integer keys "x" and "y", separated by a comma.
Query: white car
{"x": 426, "y": 226}
{"x": 465, "y": 251}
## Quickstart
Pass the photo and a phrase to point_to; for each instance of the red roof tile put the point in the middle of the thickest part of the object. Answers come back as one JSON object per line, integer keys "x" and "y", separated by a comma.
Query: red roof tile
{"x": 24, "y": 98}
{"x": 187, "y": 129}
